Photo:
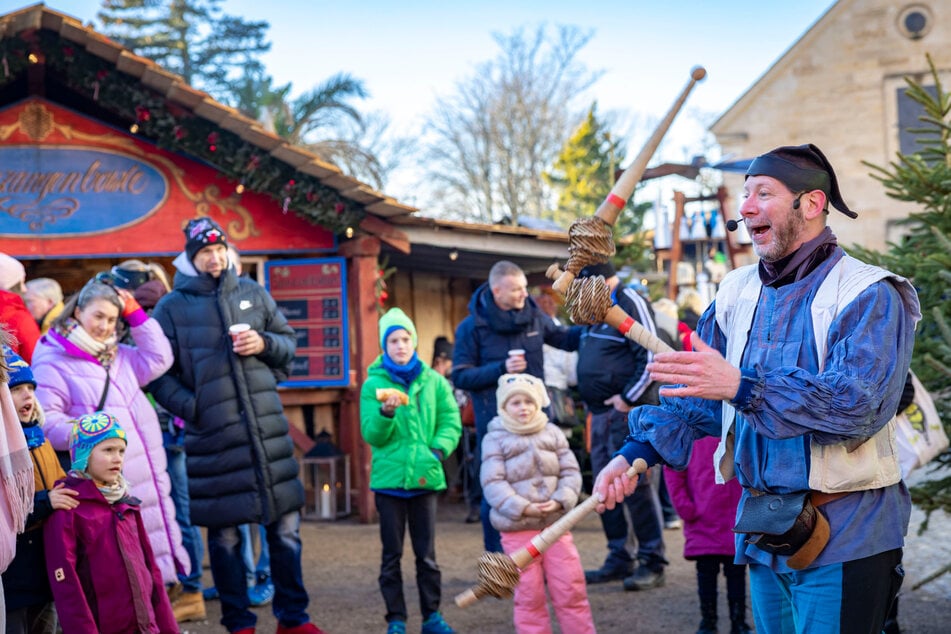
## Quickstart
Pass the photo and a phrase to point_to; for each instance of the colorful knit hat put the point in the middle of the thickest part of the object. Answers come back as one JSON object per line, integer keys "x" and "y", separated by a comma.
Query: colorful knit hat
{"x": 395, "y": 319}
{"x": 202, "y": 232}
{"x": 512, "y": 384}
{"x": 19, "y": 370}
{"x": 89, "y": 431}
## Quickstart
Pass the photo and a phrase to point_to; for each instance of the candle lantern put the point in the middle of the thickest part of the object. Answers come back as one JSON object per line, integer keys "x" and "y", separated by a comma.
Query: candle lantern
{"x": 326, "y": 477}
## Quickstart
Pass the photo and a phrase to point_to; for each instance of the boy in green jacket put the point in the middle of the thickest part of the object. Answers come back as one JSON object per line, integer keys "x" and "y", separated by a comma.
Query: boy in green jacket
{"x": 409, "y": 417}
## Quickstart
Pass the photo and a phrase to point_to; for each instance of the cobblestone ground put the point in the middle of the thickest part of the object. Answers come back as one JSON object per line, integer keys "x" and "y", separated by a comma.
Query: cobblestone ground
{"x": 342, "y": 562}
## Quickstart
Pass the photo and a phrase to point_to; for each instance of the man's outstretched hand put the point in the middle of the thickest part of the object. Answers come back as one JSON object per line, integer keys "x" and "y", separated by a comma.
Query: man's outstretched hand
{"x": 613, "y": 484}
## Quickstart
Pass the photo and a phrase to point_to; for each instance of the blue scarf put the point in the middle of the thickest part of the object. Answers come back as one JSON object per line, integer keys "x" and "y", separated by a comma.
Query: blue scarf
{"x": 403, "y": 374}
{"x": 34, "y": 435}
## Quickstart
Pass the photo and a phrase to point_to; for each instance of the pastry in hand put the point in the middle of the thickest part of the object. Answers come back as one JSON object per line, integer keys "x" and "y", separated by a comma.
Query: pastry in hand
{"x": 383, "y": 394}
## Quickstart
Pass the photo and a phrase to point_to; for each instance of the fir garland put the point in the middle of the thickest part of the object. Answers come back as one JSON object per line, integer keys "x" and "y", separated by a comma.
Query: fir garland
{"x": 176, "y": 129}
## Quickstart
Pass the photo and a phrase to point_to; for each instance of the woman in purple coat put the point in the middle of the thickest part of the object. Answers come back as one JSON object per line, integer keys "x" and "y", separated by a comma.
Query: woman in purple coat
{"x": 708, "y": 511}
{"x": 72, "y": 364}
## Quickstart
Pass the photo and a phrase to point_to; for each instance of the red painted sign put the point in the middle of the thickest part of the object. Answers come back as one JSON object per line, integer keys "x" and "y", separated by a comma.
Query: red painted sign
{"x": 312, "y": 295}
{"x": 72, "y": 186}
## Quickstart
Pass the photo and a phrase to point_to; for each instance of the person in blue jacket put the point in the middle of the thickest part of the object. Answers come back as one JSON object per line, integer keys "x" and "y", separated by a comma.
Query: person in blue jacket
{"x": 502, "y": 317}
{"x": 798, "y": 366}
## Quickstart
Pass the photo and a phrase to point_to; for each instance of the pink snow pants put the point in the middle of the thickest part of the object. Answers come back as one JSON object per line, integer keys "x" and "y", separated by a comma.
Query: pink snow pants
{"x": 560, "y": 566}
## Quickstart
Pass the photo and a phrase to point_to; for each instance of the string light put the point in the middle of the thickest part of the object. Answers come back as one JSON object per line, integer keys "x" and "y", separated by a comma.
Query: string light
{"x": 134, "y": 128}
{"x": 33, "y": 58}
{"x": 349, "y": 232}
{"x": 239, "y": 189}
{"x": 454, "y": 255}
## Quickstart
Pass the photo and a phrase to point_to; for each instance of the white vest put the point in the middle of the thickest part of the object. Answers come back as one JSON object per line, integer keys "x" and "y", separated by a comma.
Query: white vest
{"x": 838, "y": 467}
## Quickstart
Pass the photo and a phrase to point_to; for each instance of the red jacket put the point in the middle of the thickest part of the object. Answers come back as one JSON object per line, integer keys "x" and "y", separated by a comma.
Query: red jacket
{"x": 101, "y": 569}
{"x": 17, "y": 320}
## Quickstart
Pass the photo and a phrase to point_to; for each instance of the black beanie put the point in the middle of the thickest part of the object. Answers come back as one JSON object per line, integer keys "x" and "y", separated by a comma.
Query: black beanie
{"x": 201, "y": 232}
{"x": 801, "y": 168}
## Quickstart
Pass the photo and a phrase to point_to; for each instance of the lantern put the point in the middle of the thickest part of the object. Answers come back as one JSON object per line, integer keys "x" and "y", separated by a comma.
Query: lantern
{"x": 326, "y": 477}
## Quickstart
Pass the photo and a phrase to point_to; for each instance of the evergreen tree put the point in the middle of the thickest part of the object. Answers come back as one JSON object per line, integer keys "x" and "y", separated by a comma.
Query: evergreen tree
{"x": 583, "y": 173}
{"x": 191, "y": 38}
{"x": 924, "y": 256}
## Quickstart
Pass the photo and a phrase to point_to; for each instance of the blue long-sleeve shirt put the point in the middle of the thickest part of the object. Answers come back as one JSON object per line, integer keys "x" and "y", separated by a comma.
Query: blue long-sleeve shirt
{"x": 785, "y": 402}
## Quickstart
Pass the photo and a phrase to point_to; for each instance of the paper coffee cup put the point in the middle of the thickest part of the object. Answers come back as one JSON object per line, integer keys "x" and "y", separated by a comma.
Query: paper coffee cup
{"x": 516, "y": 352}
{"x": 237, "y": 329}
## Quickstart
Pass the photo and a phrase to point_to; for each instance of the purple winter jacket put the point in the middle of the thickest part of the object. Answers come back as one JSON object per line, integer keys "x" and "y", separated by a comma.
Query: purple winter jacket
{"x": 69, "y": 384}
{"x": 101, "y": 568}
{"x": 708, "y": 509}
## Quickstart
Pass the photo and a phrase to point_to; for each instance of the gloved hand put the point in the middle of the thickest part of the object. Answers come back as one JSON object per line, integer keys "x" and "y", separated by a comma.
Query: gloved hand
{"x": 129, "y": 304}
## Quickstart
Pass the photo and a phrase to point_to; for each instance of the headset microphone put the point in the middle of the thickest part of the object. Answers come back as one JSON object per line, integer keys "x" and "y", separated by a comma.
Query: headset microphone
{"x": 732, "y": 225}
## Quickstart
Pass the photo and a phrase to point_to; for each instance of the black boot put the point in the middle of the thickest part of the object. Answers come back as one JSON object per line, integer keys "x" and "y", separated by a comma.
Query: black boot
{"x": 738, "y": 617}
{"x": 708, "y": 617}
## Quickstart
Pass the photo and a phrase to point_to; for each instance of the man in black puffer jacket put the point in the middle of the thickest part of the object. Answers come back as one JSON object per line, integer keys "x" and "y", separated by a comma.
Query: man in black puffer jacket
{"x": 241, "y": 466}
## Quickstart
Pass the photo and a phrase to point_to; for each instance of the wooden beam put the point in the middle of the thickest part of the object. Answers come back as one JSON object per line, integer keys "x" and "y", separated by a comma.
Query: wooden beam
{"x": 387, "y": 233}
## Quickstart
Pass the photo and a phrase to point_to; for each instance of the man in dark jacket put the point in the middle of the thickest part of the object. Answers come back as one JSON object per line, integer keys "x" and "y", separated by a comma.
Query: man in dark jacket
{"x": 612, "y": 379}
{"x": 240, "y": 459}
{"x": 502, "y": 318}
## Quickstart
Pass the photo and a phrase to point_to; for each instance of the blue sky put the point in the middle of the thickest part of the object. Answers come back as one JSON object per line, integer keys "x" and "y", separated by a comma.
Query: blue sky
{"x": 410, "y": 51}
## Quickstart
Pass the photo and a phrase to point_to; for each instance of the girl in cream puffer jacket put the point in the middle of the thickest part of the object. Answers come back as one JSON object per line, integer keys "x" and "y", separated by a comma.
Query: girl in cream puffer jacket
{"x": 530, "y": 478}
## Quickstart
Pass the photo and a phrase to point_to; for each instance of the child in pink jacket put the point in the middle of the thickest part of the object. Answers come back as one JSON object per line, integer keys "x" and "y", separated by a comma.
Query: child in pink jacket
{"x": 530, "y": 478}
{"x": 708, "y": 511}
{"x": 100, "y": 564}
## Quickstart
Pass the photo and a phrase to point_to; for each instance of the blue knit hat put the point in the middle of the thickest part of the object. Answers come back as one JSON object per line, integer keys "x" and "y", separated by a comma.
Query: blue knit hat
{"x": 89, "y": 431}
{"x": 18, "y": 369}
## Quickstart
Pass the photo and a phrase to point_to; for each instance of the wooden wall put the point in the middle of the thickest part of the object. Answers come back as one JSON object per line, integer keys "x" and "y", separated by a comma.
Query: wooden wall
{"x": 435, "y": 303}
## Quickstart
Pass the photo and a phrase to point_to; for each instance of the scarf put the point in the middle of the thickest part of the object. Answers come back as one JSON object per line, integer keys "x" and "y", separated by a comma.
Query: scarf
{"x": 34, "y": 434}
{"x": 102, "y": 351}
{"x": 112, "y": 492}
{"x": 506, "y": 322}
{"x": 535, "y": 425}
{"x": 800, "y": 262}
{"x": 403, "y": 374}
{"x": 16, "y": 467}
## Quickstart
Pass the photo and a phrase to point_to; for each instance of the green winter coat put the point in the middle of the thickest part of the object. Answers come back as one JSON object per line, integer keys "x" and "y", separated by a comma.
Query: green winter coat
{"x": 402, "y": 446}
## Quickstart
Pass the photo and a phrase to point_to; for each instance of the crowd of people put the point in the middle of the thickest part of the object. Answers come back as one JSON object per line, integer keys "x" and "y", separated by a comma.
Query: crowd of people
{"x": 769, "y": 433}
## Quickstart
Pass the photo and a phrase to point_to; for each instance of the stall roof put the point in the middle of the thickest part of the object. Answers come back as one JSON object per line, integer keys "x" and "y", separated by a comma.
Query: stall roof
{"x": 476, "y": 247}
{"x": 197, "y": 103}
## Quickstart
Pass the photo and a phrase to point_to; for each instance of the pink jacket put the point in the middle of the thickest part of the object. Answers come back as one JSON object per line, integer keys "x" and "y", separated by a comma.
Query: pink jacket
{"x": 70, "y": 383}
{"x": 101, "y": 568}
{"x": 707, "y": 509}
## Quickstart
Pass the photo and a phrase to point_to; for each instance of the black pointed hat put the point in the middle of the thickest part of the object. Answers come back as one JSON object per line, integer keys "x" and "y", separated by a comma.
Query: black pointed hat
{"x": 801, "y": 168}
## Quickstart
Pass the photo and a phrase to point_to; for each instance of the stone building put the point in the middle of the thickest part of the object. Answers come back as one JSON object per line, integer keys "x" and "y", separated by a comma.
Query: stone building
{"x": 841, "y": 86}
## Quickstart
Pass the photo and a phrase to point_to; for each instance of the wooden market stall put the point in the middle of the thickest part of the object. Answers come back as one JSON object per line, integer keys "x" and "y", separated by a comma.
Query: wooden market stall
{"x": 106, "y": 156}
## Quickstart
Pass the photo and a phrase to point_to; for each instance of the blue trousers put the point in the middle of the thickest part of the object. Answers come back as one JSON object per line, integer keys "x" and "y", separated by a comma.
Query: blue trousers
{"x": 847, "y": 598}
{"x": 228, "y": 570}
{"x": 640, "y": 515}
{"x": 191, "y": 535}
{"x": 490, "y": 537}
{"x": 263, "y": 567}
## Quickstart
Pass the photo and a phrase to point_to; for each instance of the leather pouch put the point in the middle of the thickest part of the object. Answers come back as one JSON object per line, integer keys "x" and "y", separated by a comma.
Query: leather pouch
{"x": 777, "y": 524}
